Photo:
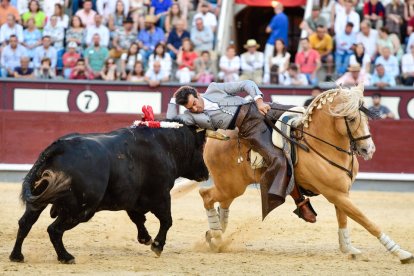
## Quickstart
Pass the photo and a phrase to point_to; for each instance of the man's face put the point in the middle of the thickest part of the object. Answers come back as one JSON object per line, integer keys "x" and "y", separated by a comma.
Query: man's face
{"x": 13, "y": 42}
{"x": 10, "y": 20}
{"x": 348, "y": 6}
{"x": 365, "y": 29}
{"x": 98, "y": 20}
{"x": 305, "y": 44}
{"x": 320, "y": 32}
{"x": 148, "y": 25}
{"x": 204, "y": 9}
{"x": 46, "y": 42}
{"x": 157, "y": 67}
{"x": 315, "y": 92}
{"x": 87, "y": 6}
{"x": 128, "y": 26}
{"x": 24, "y": 63}
{"x": 386, "y": 52}
{"x": 348, "y": 29}
{"x": 292, "y": 73}
{"x": 380, "y": 70}
{"x": 376, "y": 100}
{"x": 251, "y": 50}
{"x": 195, "y": 105}
{"x": 199, "y": 24}
{"x": 355, "y": 74}
{"x": 96, "y": 40}
{"x": 315, "y": 13}
{"x": 5, "y": 3}
{"x": 180, "y": 25}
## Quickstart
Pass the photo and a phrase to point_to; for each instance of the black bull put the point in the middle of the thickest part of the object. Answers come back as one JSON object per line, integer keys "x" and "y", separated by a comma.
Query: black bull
{"x": 130, "y": 169}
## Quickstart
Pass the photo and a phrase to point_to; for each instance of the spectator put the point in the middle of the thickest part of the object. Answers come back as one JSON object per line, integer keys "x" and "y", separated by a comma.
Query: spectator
{"x": 326, "y": 11}
{"x": 97, "y": 28}
{"x": 394, "y": 12}
{"x": 49, "y": 7}
{"x": 375, "y": 12}
{"x": 278, "y": 64}
{"x": 76, "y": 5}
{"x": 11, "y": 55}
{"x": 149, "y": 37}
{"x": 316, "y": 90}
{"x": 202, "y": 37}
{"x": 160, "y": 54}
{"x": 361, "y": 58}
{"x": 380, "y": 78}
{"x": 95, "y": 56}
{"x": 81, "y": 72}
{"x": 32, "y": 37}
{"x": 186, "y": 6}
{"x": 185, "y": 61}
{"x": 209, "y": 19}
{"x": 409, "y": 15}
{"x": 138, "y": 10}
{"x": 160, "y": 8}
{"x": 62, "y": 18}
{"x": 36, "y": 13}
{"x": 6, "y": 9}
{"x": 312, "y": 22}
{"x": 343, "y": 18}
{"x": 174, "y": 41}
{"x": 123, "y": 39}
{"x": 106, "y": 8}
{"x": 45, "y": 50}
{"x": 137, "y": 74}
{"x": 278, "y": 29}
{"x": 214, "y": 6}
{"x": 252, "y": 62}
{"x": 353, "y": 77}
{"x": 109, "y": 71}
{"x": 389, "y": 40}
{"x": 129, "y": 59}
{"x": 70, "y": 58}
{"x": 155, "y": 75}
{"x": 87, "y": 15}
{"x": 56, "y": 33}
{"x": 407, "y": 67}
{"x": 293, "y": 77}
{"x": 321, "y": 41}
{"x": 45, "y": 71}
{"x": 229, "y": 65}
{"x": 344, "y": 48}
{"x": 24, "y": 71}
{"x": 116, "y": 19}
{"x": 174, "y": 16}
{"x": 389, "y": 61}
{"x": 308, "y": 61}
{"x": 76, "y": 32}
{"x": 368, "y": 37}
{"x": 205, "y": 68}
{"x": 11, "y": 28}
{"x": 381, "y": 110}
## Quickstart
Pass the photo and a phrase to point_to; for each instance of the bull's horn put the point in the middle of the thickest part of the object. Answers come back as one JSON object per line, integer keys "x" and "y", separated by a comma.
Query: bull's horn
{"x": 216, "y": 135}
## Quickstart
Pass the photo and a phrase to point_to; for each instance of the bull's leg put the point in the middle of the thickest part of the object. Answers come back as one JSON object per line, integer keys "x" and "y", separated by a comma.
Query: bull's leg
{"x": 56, "y": 230}
{"x": 163, "y": 213}
{"x": 139, "y": 219}
{"x": 343, "y": 202}
{"x": 345, "y": 244}
{"x": 25, "y": 224}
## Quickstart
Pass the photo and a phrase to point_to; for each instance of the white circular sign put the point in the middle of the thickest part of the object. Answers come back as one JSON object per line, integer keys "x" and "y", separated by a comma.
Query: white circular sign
{"x": 87, "y": 101}
{"x": 410, "y": 108}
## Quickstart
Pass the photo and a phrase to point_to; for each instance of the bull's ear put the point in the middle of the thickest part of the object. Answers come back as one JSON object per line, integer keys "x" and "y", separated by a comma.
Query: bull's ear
{"x": 216, "y": 135}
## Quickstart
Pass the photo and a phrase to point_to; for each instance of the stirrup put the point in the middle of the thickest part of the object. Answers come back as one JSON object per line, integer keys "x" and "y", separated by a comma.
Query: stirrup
{"x": 298, "y": 212}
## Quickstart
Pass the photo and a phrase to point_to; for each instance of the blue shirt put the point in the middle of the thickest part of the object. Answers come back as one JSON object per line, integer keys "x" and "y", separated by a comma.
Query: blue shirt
{"x": 279, "y": 26}
{"x": 151, "y": 39}
{"x": 10, "y": 58}
{"x": 344, "y": 42}
{"x": 176, "y": 40}
{"x": 41, "y": 53}
{"x": 385, "y": 78}
{"x": 160, "y": 5}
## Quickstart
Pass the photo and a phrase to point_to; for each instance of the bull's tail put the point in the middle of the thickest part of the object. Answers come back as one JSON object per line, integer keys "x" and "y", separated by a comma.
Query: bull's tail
{"x": 42, "y": 185}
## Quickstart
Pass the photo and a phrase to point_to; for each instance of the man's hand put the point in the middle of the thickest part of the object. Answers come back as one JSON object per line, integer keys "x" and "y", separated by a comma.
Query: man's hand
{"x": 263, "y": 107}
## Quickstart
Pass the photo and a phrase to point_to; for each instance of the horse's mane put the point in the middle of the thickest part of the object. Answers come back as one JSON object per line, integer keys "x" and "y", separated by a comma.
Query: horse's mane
{"x": 348, "y": 105}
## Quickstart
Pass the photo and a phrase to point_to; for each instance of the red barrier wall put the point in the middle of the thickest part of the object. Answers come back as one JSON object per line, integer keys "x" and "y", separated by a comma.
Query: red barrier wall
{"x": 25, "y": 134}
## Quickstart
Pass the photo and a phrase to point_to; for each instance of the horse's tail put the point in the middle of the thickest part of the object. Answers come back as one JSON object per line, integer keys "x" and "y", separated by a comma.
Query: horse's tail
{"x": 41, "y": 185}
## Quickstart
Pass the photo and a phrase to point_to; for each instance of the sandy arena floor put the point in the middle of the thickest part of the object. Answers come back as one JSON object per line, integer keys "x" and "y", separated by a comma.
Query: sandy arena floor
{"x": 280, "y": 245}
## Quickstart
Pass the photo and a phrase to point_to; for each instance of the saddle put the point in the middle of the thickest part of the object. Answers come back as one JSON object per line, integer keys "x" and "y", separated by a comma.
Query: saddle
{"x": 283, "y": 124}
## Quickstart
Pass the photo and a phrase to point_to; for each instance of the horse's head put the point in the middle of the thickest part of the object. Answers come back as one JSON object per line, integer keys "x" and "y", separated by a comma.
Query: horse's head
{"x": 352, "y": 120}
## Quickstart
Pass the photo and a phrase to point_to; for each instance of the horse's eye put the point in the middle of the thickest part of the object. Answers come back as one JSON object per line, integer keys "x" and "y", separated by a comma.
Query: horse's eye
{"x": 352, "y": 120}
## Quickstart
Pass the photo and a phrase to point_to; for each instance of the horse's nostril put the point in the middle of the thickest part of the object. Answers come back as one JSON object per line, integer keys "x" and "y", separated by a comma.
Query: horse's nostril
{"x": 365, "y": 151}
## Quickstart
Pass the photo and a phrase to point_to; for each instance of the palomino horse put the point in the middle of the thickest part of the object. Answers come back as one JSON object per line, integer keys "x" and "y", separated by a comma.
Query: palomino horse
{"x": 338, "y": 118}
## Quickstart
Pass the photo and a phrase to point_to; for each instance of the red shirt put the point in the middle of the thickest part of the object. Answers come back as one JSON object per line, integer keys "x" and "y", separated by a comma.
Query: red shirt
{"x": 188, "y": 59}
{"x": 69, "y": 60}
{"x": 85, "y": 76}
{"x": 307, "y": 62}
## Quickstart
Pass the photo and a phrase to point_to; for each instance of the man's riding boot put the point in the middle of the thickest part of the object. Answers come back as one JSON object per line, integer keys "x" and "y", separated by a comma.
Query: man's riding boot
{"x": 304, "y": 208}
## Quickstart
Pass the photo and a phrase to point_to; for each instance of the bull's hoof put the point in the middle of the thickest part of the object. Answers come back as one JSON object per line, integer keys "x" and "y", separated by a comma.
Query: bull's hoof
{"x": 16, "y": 257}
{"x": 67, "y": 259}
{"x": 409, "y": 260}
{"x": 156, "y": 248}
{"x": 145, "y": 241}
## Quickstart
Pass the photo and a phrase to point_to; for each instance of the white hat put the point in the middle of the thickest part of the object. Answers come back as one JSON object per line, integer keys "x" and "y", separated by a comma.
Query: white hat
{"x": 73, "y": 44}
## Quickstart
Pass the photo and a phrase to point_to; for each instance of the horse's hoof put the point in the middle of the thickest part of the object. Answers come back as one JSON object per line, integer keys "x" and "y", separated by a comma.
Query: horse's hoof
{"x": 409, "y": 260}
{"x": 67, "y": 261}
{"x": 155, "y": 247}
{"x": 145, "y": 241}
{"x": 18, "y": 258}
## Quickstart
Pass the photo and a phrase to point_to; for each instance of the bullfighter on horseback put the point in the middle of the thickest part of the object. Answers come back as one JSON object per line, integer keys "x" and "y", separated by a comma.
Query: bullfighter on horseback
{"x": 220, "y": 108}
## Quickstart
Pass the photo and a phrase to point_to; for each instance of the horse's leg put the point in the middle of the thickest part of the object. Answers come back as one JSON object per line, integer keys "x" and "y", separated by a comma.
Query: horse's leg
{"x": 223, "y": 211}
{"x": 343, "y": 202}
{"x": 139, "y": 219}
{"x": 25, "y": 224}
{"x": 345, "y": 244}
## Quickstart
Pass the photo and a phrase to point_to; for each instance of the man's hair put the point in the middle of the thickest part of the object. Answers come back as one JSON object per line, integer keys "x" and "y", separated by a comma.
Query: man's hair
{"x": 293, "y": 67}
{"x": 80, "y": 60}
{"x": 46, "y": 36}
{"x": 376, "y": 95}
{"x": 350, "y": 24}
{"x": 46, "y": 59}
{"x": 182, "y": 93}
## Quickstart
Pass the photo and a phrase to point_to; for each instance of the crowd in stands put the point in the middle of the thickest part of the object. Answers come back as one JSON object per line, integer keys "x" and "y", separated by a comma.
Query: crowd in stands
{"x": 155, "y": 41}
